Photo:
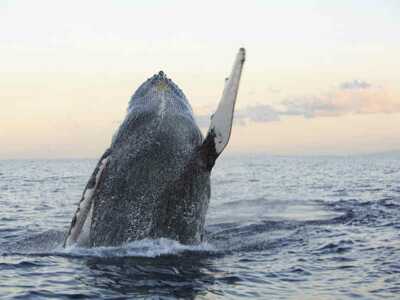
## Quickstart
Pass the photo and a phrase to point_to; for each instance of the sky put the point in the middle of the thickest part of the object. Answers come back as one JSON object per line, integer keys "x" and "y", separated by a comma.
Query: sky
{"x": 321, "y": 77}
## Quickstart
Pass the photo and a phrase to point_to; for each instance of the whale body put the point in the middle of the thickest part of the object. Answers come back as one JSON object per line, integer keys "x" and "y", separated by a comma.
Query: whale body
{"x": 154, "y": 179}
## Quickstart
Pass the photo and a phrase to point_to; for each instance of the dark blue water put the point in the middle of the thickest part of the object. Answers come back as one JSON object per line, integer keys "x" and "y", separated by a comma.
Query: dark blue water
{"x": 278, "y": 228}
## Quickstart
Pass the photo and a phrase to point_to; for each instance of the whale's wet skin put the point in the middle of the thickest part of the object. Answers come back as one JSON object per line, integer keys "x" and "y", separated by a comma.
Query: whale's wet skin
{"x": 154, "y": 179}
{"x": 287, "y": 228}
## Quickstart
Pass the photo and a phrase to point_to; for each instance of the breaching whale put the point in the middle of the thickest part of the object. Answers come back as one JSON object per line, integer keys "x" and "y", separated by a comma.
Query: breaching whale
{"x": 154, "y": 179}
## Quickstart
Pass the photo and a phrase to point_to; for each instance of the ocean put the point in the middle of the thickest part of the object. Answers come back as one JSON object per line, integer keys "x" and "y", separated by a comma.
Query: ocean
{"x": 324, "y": 227}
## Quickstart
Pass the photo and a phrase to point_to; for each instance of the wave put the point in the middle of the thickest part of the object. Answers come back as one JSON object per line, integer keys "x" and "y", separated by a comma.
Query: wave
{"x": 50, "y": 244}
{"x": 141, "y": 248}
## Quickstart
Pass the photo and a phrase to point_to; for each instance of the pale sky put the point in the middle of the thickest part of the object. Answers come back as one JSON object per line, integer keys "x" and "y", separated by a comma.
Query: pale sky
{"x": 321, "y": 77}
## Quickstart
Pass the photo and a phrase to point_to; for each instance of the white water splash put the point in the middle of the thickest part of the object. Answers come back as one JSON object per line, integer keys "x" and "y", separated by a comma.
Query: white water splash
{"x": 142, "y": 248}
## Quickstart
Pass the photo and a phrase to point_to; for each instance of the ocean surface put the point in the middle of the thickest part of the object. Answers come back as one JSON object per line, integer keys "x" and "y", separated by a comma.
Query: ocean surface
{"x": 278, "y": 228}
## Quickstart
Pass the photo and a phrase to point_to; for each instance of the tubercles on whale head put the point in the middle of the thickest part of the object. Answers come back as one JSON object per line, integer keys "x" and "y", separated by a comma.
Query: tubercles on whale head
{"x": 159, "y": 89}
{"x": 161, "y": 74}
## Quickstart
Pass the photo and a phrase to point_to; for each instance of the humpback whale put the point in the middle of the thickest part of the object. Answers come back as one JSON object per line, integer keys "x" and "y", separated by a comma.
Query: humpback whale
{"x": 154, "y": 179}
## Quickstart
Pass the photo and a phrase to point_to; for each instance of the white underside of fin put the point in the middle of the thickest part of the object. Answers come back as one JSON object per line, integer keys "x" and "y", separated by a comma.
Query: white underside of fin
{"x": 221, "y": 121}
{"x": 84, "y": 236}
{"x": 84, "y": 211}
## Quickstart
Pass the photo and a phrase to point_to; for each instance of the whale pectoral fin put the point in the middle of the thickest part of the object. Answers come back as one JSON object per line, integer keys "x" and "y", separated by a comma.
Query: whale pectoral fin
{"x": 86, "y": 202}
{"x": 221, "y": 121}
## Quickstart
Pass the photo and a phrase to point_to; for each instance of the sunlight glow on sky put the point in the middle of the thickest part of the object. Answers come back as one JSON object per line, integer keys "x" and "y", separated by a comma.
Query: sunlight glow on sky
{"x": 321, "y": 77}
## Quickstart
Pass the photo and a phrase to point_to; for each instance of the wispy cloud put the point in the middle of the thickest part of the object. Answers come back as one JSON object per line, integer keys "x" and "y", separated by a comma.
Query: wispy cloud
{"x": 355, "y": 85}
{"x": 352, "y": 97}
{"x": 365, "y": 99}
{"x": 258, "y": 113}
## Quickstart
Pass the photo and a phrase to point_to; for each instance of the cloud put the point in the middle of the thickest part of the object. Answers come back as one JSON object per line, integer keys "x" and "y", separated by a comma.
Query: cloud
{"x": 355, "y": 85}
{"x": 353, "y": 97}
{"x": 341, "y": 102}
{"x": 307, "y": 106}
{"x": 258, "y": 113}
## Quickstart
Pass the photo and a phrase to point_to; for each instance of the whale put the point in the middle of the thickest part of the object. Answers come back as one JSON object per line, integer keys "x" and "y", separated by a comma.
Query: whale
{"x": 153, "y": 181}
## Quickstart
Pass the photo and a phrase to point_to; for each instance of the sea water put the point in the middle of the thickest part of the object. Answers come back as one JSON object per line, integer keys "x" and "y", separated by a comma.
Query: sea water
{"x": 277, "y": 228}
